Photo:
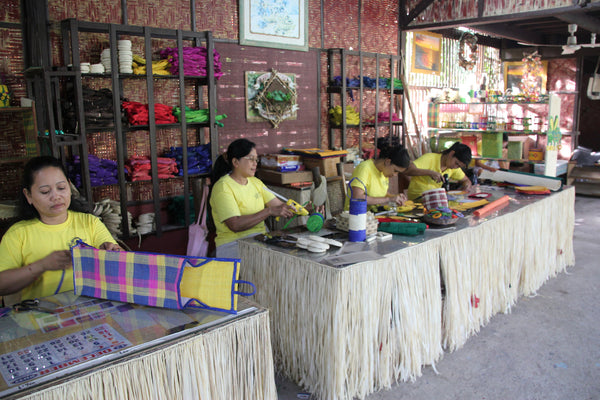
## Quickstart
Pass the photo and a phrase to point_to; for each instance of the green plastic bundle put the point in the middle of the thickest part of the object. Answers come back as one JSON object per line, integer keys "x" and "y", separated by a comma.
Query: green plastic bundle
{"x": 197, "y": 116}
{"x": 402, "y": 228}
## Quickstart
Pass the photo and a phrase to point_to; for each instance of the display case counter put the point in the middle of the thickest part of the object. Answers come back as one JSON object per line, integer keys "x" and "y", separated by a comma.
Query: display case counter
{"x": 93, "y": 348}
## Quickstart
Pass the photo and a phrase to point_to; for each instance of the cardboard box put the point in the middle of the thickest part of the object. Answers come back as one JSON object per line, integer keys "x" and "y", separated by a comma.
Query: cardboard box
{"x": 277, "y": 161}
{"x": 283, "y": 178}
{"x": 327, "y": 166}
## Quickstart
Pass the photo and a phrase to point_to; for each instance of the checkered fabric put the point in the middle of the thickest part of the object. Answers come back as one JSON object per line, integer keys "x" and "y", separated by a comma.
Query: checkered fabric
{"x": 157, "y": 280}
{"x": 435, "y": 199}
{"x": 433, "y": 115}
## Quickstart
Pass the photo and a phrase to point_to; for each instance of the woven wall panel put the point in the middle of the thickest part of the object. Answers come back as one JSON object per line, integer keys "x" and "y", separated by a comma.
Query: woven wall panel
{"x": 236, "y": 61}
{"x": 341, "y": 24}
{"x": 174, "y": 14}
{"x": 10, "y": 11}
{"x": 108, "y": 11}
{"x": 379, "y": 30}
{"x": 219, "y": 16}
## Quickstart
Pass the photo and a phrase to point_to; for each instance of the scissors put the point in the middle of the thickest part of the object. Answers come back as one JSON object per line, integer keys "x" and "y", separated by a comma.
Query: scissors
{"x": 31, "y": 305}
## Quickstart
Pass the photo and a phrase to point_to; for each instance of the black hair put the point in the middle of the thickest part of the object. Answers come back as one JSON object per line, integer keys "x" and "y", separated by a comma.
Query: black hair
{"x": 27, "y": 211}
{"x": 461, "y": 151}
{"x": 397, "y": 154}
{"x": 239, "y": 148}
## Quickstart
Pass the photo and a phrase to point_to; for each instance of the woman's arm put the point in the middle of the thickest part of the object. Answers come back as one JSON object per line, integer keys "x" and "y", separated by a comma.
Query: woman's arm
{"x": 15, "y": 279}
{"x": 358, "y": 193}
{"x": 275, "y": 208}
{"x": 413, "y": 170}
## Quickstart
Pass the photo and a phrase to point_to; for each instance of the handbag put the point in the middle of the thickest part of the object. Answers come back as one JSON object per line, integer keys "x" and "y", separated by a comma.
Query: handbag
{"x": 157, "y": 280}
{"x": 197, "y": 245}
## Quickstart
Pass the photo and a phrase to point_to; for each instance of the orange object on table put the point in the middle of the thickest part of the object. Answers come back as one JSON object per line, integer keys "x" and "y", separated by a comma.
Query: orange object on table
{"x": 493, "y": 206}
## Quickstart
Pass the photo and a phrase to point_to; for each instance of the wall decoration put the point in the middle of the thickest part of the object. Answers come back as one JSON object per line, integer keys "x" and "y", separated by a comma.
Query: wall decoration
{"x": 271, "y": 96}
{"x": 427, "y": 49}
{"x": 513, "y": 76}
{"x": 274, "y": 23}
{"x": 467, "y": 51}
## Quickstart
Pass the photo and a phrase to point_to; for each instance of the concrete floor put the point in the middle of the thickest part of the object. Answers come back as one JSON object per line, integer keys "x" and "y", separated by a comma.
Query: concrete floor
{"x": 547, "y": 348}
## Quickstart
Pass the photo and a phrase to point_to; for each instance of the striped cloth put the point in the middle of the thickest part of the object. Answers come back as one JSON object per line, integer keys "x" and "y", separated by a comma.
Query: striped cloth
{"x": 157, "y": 280}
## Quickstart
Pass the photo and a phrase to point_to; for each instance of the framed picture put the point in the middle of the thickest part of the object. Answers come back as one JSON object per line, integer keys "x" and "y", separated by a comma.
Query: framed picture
{"x": 274, "y": 23}
{"x": 513, "y": 72}
{"x": 427, "y": 50}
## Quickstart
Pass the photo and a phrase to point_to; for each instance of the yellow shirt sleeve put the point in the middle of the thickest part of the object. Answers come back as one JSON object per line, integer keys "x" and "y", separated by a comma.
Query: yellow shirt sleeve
{"x": 420, "y": 184}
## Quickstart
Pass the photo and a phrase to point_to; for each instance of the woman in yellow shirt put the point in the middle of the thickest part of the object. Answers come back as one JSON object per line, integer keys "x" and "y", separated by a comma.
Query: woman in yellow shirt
{"x": 240, "y": 202}
{"x": 427, "y": 172}
{"x": 375, "y": 174}
{"x": 35, "y": 260}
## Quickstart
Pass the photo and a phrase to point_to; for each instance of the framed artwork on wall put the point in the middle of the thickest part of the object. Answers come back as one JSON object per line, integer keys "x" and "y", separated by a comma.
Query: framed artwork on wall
{"x": 513, "y": 72}
{"x": 270, "y": 96}
{"x": 274, "y": 23}
{"x": 427, "y": 52}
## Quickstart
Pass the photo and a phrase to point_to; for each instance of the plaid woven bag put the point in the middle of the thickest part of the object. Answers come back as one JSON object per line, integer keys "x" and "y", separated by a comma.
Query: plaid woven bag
{"x": 158, "y": 280}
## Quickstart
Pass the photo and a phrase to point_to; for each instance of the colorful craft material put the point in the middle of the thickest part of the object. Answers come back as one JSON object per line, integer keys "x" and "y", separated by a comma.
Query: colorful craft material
{"x": 493, "y": 206}
{"x": 198, "y": 158}
{"x": 194, "y": 61}
{"x": 137, "y": 113}
{"x": 532, "y": 189}
{"x": 402, "y": 228}
{"x": 435, "y": 198}
{"x": 157, "y": 280}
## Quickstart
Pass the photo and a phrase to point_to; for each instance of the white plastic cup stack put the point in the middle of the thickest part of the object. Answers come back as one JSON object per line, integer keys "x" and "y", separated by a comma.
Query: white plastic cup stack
{"x": 105, "y": 60}
{"x": 125, "y": 56}
{"x": 85, "y": 67}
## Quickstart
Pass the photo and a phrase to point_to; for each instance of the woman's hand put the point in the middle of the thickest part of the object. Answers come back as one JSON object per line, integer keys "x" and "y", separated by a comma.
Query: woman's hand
{"x": 399, "y": 199}
{"x": 466, "y": 184}
{"x": 436, "y": 176}
{"x": 311, "y": 208}
{"x": 57, "y": 260}
{"x": 110, "y": 246}
{"x": 281, "y": 210}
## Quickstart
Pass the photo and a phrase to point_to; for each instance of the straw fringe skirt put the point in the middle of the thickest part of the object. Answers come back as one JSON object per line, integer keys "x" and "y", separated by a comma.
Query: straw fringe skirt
{"x": 346, "y": 332}
{"x": 342, "y": 333}
{"x": 232, "y": 361}
{"x": 522, "y": 250}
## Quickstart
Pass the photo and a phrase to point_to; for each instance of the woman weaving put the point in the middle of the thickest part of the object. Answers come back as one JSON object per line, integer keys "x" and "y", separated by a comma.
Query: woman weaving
{"x": 429, "y": 171}
{"x": 375, "y": 174}
{"x": 34, "y": 253}
{"x": 240, "y": 202}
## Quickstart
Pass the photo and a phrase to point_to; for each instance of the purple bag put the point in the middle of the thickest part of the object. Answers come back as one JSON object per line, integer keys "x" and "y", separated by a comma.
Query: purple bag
{"x": 197, "y": 244}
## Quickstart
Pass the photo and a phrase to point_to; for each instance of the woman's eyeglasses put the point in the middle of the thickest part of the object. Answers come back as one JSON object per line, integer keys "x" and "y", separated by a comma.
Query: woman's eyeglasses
{"x": 251, "y": 159}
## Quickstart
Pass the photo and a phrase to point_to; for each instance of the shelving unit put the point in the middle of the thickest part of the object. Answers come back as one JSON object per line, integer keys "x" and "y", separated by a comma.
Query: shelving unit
{"x": 194, "y": 91}
{"x": 18, "y": 143}
{"x": 516, "y": 119}
{"x": 389, "y": 98}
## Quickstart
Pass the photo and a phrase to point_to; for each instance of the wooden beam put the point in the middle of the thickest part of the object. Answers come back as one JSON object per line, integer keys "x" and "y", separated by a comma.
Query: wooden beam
{"x": 419, "y": 8}
{"x": 582, "y": 20}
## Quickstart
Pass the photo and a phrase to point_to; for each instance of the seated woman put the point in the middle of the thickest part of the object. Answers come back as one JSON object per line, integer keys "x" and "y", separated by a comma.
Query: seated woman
{"x": 375, "y": 174}
{"x": 240, "y": 202}
{"x": 34, "y": 253}
{"x": 427, "y": 172}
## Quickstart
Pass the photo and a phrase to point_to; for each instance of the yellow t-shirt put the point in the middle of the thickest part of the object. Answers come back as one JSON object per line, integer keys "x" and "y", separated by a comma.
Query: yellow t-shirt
{"x": 230, "y": 199}
{"x": 431, "y": 161}
{"x": 377, "y": 184}
{"x": 28, "y": 241}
